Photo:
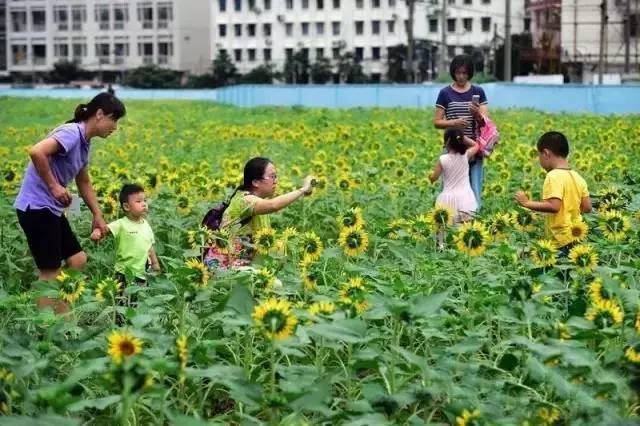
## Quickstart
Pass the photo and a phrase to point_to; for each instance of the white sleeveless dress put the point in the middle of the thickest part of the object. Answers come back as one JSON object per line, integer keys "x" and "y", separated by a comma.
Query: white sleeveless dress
{"x": 456, "y": 192}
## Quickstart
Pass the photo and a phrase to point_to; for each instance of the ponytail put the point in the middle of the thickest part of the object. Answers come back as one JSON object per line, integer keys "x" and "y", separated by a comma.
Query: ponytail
{"x": 109, "y": 104}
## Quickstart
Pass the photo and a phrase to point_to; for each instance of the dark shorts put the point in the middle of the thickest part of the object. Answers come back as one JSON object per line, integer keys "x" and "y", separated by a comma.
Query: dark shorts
{"x": 50, "y": 237}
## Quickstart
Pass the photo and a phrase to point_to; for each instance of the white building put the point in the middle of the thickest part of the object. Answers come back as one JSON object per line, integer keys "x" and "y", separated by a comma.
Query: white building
{"x": 3, "y": 38}
{"x": 581, "y": 35}
{"x": 253, "y": 32}
{"x": 107, "y": 35}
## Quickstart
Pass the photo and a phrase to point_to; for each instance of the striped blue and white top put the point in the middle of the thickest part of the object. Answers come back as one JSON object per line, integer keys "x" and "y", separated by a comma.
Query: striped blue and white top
{"x": 456, "y": 105}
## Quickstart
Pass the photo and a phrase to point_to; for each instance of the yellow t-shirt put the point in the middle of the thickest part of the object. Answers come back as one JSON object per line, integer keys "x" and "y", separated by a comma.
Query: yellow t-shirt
{"x": 570, "y": 188}
{"x": 133, "y": 242}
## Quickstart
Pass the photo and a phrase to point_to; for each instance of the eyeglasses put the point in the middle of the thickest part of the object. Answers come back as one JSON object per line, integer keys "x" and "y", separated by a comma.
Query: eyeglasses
{"x": 270, "y": 177}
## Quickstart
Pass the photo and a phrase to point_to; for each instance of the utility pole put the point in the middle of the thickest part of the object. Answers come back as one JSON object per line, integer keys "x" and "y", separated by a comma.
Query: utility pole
{"x": 627, "y": 36}
{"x": 603, "y": 26}
{"x": 575, "y": 30}
{"x": 410, "y": 41}
{"x": 507, "y": 41}
{"x": 443, "y": 55}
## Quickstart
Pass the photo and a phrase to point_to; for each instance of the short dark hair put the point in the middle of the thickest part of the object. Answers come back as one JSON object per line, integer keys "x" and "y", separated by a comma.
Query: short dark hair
{"x": 454, "y": 140}
{"x": 127, "y": 190}
{"x": 254, "y": 169}
{"x": 555, "y": 142}
{"x": 462, "y": 61}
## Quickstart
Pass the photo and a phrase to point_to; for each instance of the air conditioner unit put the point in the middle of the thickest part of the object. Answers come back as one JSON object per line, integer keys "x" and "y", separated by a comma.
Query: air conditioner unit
{"x": 394, "y": 16}
{"x": 268, "y": 42}
{"x": 280, "y": 18}
{"x": 256, "y": 10}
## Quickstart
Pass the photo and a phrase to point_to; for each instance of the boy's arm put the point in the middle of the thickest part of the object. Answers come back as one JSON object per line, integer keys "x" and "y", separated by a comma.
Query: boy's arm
{"x": 585, "y": 205}
{"x": 437, "y": 171}
{"x": 153, "y": 258}
{"x": 550, "y": 205}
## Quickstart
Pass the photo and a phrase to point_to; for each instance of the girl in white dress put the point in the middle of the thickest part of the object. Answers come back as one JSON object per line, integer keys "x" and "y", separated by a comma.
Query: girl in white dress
{"x": 456, "y": 193}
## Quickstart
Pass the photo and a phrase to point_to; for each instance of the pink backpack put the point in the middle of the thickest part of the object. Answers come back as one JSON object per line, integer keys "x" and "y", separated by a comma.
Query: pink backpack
{"x": 488, "y": 137}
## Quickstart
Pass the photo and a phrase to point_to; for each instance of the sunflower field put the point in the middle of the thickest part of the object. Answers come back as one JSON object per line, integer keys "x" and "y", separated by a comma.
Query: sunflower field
{"x": 354, "y": 313}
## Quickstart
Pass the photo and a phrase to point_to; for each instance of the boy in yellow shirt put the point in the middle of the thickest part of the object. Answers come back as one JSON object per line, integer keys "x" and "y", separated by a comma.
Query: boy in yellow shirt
{"x": 564, "y": 194}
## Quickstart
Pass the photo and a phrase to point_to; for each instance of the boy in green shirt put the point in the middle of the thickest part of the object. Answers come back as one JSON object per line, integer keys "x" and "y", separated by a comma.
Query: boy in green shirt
{"x": 134, "y": 237}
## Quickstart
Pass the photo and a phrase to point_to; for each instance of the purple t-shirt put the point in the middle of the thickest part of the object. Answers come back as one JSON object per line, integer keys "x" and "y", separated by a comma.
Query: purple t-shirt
{"x": 456, "y": 105}
{"x": 65, "y": 166}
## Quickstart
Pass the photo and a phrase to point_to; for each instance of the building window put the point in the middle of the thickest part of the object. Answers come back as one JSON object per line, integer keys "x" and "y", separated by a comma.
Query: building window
{"x": 165, "y": 51}
{"x": 39, "y": 52}
{"x": 452, "y": 2}
{"x": 288, "y": 29}
{"x": 288, "y": 53}
{"x": 320, "y": 28}
{"x": 237, "y": 30}
{"x": 61, "y": 17}
{"x": 251, "y": 29}
{"x": 165, "y": 14}
{"x": 319, "y": 4}
{"x": 336, "y": 4}
{"x": 527, "y": 24}
{"x": 120, "y": 16}
{"x": 433, "y": 25}
{"x": 252, "y": 54}
{"x": 120, "y": 51}
{"x": 78, "y": 17}
{"x": 335, "y": 53}
{"x": 145, "y": 50}
{"x": 391, "y": 27}
{"x": 305, "y": 28}
{"x": 359, "y": 27}
{"x": 319, "y": 53}
{"x": 467, "y": 23}
{"x": 18, "y": 23}
{"x": 237, "y": 5}
{"x": 237, "y": 54}
{"x": 267, "y": 6}
{"x": 359, "y": 54}
{"x": 451, "y": 25}
{"x": 375, "y": 4}
{"x": 38, "y": 20}
{"x": 375, "y": 27}
{"x": 359, "y": 4}
{"x": 451, "y": 51}
{"x": 102, "y": 52}
{"x": 19, "y": 54}
{"x": 252, "y": 4}
{"x": 335, "y": 28}
{"x": 222, "y": 5}
{"x": 467, "y": 1}
{"x": 289, "y": 4}
{"x": 486, "y": 24}
{"x": 486, "y": 1}
{"x": 375, "y": 53}
{"x": 266, "y": 30}
{"x": 145, "y": 15}
{"x": 101, "y": 13}
{"x": 222, "y": 30}
{"x": 305, "y": 4}
{"x": 392, "y": 3}
{"x": 79, "y": 51}
{"x": 266, "y": 55}
{"x": 61, "y": 50}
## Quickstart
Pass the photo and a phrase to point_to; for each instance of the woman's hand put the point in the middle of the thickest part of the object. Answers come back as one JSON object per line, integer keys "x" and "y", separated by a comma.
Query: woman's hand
{"x": 307, "y": 185}
{"x": 99, "y": 223}
{"x": 459, "y": 123}
{"x": 96, "y": 235}
{"x": 61, "y": 194}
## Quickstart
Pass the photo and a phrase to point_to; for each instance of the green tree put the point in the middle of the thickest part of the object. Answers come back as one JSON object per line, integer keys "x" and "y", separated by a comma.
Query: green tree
{"x": 321, "y": 71}
{"x": 153, "y": 77}
{"x": 224, "y": 72}
{"x": 296, "y": 68}
{"x": 262, "y": 74}
{"x": 65, "y": 71}
{"x": 350, "y": 69}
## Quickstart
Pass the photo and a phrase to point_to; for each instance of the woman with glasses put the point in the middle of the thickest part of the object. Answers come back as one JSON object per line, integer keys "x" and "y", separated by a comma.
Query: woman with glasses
{"x": 249, "y": 210}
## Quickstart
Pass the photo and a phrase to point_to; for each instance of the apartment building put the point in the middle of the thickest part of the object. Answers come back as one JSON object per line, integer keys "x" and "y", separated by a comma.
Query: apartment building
{"x": 3, "y": 38}
{"x": 107, "y": 35}
{"x": 253, "y": 32}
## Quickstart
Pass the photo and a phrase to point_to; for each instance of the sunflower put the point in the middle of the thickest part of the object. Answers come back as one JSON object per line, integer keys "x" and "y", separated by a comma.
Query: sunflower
{"x": 108, "y": 289}
{"x": 467, "y": 417}
{"x": 200, "y": 238}
{"x": 395, "y": 226}
{"x": 275, "y": 319}
{"x": 110, "y": 207}
{"x": 351, "y": 217}
{"x": 354, "y": 241}
{"x": 122, "y": 344}
{"x": 420, "y": 227}
{"x": 263, "y": 279}
{"x": 183, "y": 352}
{"x": 614, "y": 225}
{"x": 548, "y": 416}
{"x": 441, "y": 217}
{"x": 597, "y": 293}
{"x": 472, "y": 238}
{"x": 221, "y": 240}
{"x": 633, "y": 354}
{"x": 265, "y": 240}
{"x": 605, "y": 312}
{"x": 637, "y": 322}
{"x": 499, "y": 224}
{"x": 200, "y": 272}
{"x": 71, "y": 286}
{"x": 183, "y": 203}
{"x": 563, "y": 331}
{"x": 309, "y": 270}
{"x": 584, "y": 257}
{"x": 544, "y": 254}
{"x": 578, "y": 231}
{"x": 321, "y": 308}
{"x": 311, "y": 245}
{"x": 345, "y": 183}
{"x": 286, "y": 237}
{"x": 523, "y": 220}
{"x": 352, "y": 295}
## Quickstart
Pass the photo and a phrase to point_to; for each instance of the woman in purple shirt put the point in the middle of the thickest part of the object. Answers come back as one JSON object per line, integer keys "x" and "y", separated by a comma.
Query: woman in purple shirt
{"x": 58, "y": 159}
{"x": 455, "y": 108}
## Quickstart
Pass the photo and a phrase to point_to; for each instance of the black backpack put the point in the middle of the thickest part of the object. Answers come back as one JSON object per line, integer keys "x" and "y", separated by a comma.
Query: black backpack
{"x": 213, "y": 218}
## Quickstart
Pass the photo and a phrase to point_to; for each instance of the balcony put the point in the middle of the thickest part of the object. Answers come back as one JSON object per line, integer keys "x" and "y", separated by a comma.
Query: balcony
{"x": 119, "y": 60}
{"x": 163, "y": 59}
{"x": 39, "y": 60}
{"x": 147, "y": 60}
